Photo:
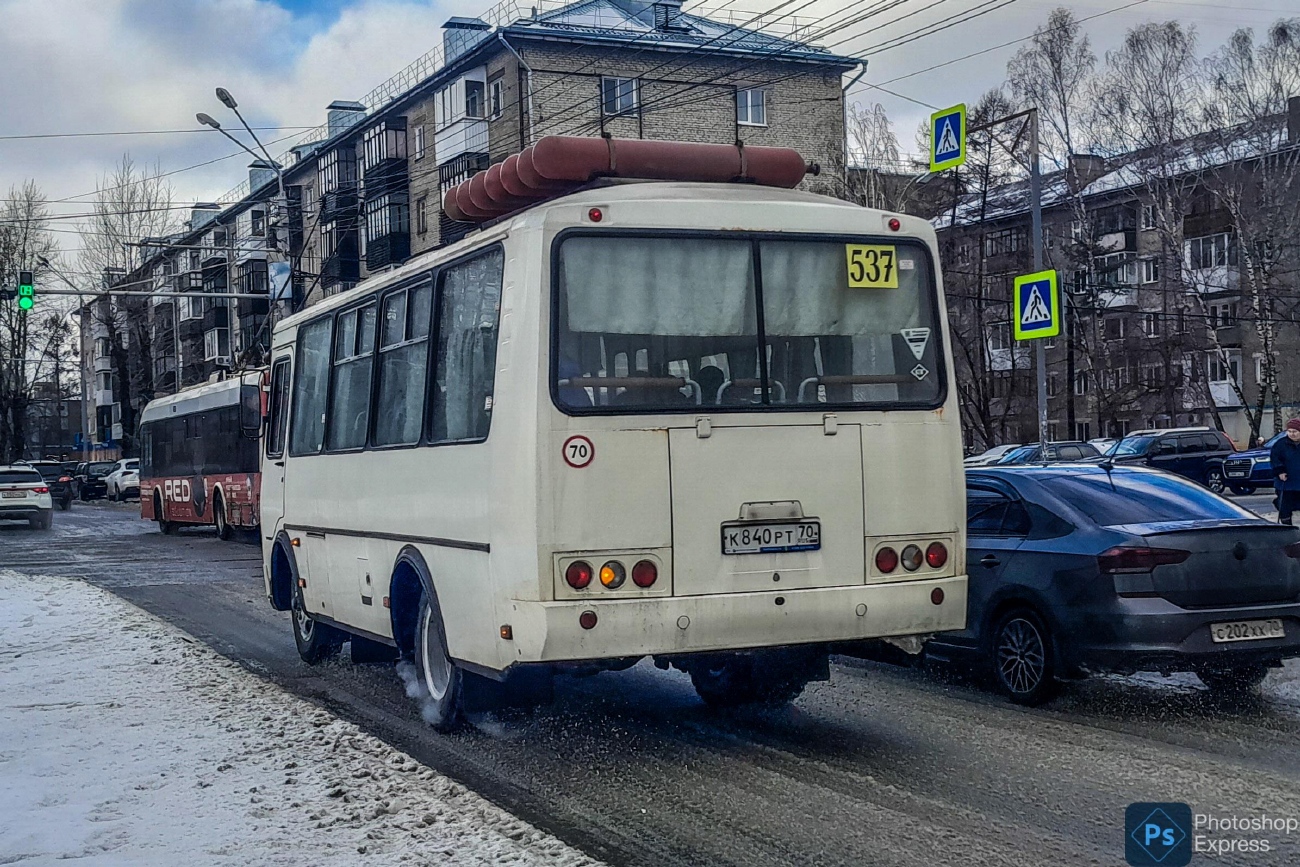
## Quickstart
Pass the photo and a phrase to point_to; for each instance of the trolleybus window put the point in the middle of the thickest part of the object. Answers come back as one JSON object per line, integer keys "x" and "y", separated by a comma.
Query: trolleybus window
{"x": 403, "y": 365}
{"x": 307, "y": 427}
{"x": 662, "y": 323}
{"x": 354, "y": 347}
{"x": 469, "y": 305}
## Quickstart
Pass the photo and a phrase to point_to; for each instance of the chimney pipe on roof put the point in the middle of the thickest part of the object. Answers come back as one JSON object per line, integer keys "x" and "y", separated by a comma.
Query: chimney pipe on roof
{"x": 341, "y": 114}
{"x": 668, "y": 14}
{"x": 1083, "y": 169}
{"x": 203, "y": 213}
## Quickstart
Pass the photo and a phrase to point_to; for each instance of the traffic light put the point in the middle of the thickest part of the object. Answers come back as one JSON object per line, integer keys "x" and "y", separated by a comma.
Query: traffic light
{"x": 26, "y": 291}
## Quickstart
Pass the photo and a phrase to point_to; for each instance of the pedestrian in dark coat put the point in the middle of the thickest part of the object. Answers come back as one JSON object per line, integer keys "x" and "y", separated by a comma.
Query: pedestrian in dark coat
{"x": 1285, "y": 457}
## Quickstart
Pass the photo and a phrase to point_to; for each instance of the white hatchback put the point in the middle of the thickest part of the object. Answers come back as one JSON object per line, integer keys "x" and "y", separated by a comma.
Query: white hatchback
{"x": 25, "y": 496}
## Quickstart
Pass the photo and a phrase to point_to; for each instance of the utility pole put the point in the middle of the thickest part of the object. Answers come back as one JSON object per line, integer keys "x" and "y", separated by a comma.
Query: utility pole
{"x": 1036, "y": 226}
{"x": 82, "y": 316}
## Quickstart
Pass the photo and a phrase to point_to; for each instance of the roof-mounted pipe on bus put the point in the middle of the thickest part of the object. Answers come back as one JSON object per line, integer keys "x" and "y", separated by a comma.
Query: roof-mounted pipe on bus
{"x": 557, "y": 164}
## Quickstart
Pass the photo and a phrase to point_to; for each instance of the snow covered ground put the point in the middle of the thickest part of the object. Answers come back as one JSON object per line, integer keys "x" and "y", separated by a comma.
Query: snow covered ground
{"x": 123, "y": 741}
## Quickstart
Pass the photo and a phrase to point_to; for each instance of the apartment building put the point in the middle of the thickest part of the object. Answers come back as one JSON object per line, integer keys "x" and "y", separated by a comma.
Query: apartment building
{"x": 1181, "y": 301}
{"x": 367, "y": 195}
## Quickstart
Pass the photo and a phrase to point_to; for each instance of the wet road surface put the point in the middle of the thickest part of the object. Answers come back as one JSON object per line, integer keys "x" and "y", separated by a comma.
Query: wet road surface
{"x": 880, "y": 766}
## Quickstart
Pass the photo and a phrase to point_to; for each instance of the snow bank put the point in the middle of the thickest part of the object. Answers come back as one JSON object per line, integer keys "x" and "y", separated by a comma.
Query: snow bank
{"x": 123, "y": 741}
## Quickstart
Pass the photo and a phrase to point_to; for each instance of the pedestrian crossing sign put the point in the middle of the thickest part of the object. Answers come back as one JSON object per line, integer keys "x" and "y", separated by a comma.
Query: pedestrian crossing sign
{"x": 948, "y": 138}
{"x": 1037, "y": 306}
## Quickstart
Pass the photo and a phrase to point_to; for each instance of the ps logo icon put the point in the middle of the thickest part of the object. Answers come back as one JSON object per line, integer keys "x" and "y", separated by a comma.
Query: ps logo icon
{"x": 1157, "y": 834}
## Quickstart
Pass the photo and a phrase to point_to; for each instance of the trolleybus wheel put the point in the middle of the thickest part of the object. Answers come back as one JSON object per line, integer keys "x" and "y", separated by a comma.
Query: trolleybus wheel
{"x": 316, "y": 641}
{"x": 769, "y": 677}
{"x": 442, "y": 681}
{"x": 224, "y": 532}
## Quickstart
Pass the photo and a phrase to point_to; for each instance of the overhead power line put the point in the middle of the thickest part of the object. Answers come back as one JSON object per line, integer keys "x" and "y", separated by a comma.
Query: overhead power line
{"x": 49, "y": 135}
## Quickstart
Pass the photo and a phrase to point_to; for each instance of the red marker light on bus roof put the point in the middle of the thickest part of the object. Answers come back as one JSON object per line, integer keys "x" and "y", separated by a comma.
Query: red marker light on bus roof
{"x": 895, "y": 224}
{"x": 595, "y": 215}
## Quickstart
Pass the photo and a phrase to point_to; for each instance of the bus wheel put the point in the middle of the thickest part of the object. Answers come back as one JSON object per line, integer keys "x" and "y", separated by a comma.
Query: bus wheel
{"x": 166, "y": 527}
{"x": 316, "y": 641}
{"x": 769, "y": 677}
{"x": 442, "y": 680}
{"x": 219, "y": 518}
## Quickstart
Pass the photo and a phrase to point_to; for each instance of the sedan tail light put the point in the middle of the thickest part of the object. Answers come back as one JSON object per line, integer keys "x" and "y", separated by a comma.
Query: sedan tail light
{"x": 1124, "y": 560}
{"x": 41, "y": 490}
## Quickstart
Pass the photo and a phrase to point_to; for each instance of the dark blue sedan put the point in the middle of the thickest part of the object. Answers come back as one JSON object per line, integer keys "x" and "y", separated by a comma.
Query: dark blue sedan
{"x": 1077, "y": 568}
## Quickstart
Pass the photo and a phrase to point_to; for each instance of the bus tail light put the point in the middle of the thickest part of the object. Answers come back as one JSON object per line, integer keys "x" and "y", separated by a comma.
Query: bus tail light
{"x": 911, "y": 558}
{"x": 936, "y": 555}
{"x": 886, "y": 560}
{"x": 612, "y": 575}
{"x": 645, "y": 574}
{"x": 578, "y": 575}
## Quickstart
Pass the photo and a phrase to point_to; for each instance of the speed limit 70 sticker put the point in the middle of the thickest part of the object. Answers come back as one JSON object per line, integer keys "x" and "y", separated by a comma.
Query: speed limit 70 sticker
{"x": 578, "y": 451}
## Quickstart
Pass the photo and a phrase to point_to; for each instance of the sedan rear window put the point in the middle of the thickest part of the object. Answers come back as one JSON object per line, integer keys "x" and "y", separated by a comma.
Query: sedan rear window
{"x": 1141, "y": 498}
{"x": 20, "y": 477}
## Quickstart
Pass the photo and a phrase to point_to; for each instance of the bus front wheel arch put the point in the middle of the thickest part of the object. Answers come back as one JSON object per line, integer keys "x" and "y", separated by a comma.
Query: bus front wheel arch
{"x": 166, "y": 527}
{"x": 431, "y": 676}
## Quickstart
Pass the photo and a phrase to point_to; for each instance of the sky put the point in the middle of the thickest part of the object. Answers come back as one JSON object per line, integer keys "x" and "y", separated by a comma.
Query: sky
{"x": 137, "y": 66}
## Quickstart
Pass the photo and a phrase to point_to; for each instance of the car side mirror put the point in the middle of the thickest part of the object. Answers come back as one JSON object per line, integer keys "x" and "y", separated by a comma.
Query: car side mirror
{"x": 250, "y": 411}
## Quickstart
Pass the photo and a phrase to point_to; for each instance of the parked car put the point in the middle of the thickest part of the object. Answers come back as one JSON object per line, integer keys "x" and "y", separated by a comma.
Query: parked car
{"x": 88, "y": 483}
{"x": 1248, "y": 471}
{"x": 1084, "y": 568}
{"x": 1192, "y": 452}
{"x": 1103, "y": 444}
{"x": 25, "y": 496}
{"x": 59, "y": 481}
{"x": 1055, "y": 452}
{"x": 124, "y": 480}
{"x": 991, "y": 456}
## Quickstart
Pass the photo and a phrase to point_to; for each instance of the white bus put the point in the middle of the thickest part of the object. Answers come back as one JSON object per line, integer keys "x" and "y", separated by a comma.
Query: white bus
{"x": 710, "y": 424}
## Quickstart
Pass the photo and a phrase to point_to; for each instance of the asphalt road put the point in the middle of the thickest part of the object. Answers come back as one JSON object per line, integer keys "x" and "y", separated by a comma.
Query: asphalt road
{"x": 880, "y": 766}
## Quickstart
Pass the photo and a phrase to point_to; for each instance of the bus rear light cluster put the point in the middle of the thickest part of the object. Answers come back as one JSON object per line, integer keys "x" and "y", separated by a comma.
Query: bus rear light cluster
{"x": 613, "y": 574}
{"x": 912, "y": 558}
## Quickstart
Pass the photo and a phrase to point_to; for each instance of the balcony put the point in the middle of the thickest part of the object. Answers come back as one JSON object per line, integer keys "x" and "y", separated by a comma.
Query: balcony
{"x": 340, "y": 268}
{"x": 1003, "y": 359}
{"x": 338, "y": 203}
{"x": 1117, "y": 297}
{"x": 461, "y": 136}
{"x": 388, "y": 250}
{"x": 1213, "y": 281}
{"x": 1123, "y": 241}
{"x": 102, "y": 364}
{"x": 1224, "y": 395}
{"x": 217, "y": 317}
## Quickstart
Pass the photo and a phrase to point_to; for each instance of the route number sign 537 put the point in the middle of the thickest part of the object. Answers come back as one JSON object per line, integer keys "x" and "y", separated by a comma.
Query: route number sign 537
{"x": 872, "y": 266}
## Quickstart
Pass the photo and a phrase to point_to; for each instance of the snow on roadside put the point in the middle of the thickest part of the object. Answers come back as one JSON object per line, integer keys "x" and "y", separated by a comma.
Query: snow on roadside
{"x": 123, "y": 741}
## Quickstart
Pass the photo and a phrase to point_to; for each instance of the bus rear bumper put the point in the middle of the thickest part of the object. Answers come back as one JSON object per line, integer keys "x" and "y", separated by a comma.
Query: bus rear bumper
{"x": 552, "y": 631}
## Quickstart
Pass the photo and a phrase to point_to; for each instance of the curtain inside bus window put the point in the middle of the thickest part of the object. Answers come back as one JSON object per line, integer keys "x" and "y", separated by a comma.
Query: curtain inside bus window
{"x": 403, "y": 357}
{"x": 646, "y": 321}
{"x": 307, "y": 427}
{"x": 469, "y": 307}
{"x": 831, "y": 343}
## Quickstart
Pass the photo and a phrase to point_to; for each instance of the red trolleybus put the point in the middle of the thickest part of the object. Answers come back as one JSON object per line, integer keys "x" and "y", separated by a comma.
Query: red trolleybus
{"x": 198, "y": 465}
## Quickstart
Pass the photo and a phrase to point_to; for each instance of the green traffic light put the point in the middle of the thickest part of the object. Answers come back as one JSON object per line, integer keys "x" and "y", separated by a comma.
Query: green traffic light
{"x": 26, "y": 302}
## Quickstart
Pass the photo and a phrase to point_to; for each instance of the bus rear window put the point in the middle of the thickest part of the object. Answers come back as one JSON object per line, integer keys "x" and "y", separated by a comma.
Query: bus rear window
{"x": 664, "y": 323}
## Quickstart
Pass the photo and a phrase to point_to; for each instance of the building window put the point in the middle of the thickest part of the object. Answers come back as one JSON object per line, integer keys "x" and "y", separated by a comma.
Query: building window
{"x": 216, "y": 344}
{"x": 419, "y": 139}
{"x": 496, "y": 98}
{"x": 1259, "y": 368}
{"x": 473, "y": 99}
{"x": 999, "y": 336}
{"x": 257, "y": 224}
{"x": 1225, "y": 366}
{"x": 1113, "y": 328}
{"x": 387, "y": 215}
{"x": 106, "y": 382}
{"x": 253, "y": 277}
{"x": 1076, "y": 230}
{"x": 1223, "y": 314}
{"x": 1081, "y": 383}
{"x": 1211, "y": 251}
{"x": 1004, "y": 241}
{"x": 421, "y": 215}
{"x": 618, "y": 96}
{"x": 103, "y": 348}
{"x": 1149, "y": 270}
{"x": 1053, "y": 386}
{"x": 1082, "y": 431}
{"x": 1115, "y": 269}
{"x": 1148, "y": 217}
{"x": 1150, "y": 375}
{"x": 1151, "y": 324}
{"x": 751, "y": 107}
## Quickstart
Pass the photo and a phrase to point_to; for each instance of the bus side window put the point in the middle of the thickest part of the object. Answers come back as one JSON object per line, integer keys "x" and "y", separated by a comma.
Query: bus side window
{"x": 307, "y": 432}
{"x": 279, "y": 396}
{"x": 469, "y": 306}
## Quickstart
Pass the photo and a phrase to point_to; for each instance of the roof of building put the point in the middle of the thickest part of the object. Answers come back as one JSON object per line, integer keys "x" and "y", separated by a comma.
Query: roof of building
{"x": 634, "y": 21}
{"x": 1127, "y": 171}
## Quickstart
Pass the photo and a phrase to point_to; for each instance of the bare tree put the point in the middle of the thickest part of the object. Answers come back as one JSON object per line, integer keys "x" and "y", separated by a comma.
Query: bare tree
{"x": 1054, "y": 73}
{"x": 25, "y": 240}
{"x": 130, "y": 205}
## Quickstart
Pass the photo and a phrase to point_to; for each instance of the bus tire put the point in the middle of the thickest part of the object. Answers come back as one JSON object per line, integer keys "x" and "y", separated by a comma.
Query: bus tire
{"x": 224, "y": 530}
{"x": 442, "y": 682}
{"x": 166, "y": 527}
{"x": 316, "y": 642}
{"x": 771, "y": 677}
